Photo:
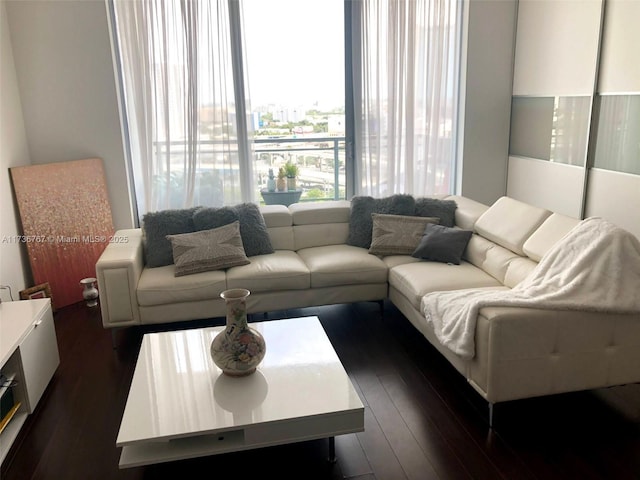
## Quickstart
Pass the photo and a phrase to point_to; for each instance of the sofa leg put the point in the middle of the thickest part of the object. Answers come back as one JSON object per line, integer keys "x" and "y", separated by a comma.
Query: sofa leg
{"x": 381, "y": 305}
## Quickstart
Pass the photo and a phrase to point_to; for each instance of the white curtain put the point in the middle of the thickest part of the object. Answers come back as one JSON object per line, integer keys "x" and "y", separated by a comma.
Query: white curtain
{"x": 184, "y": 92}
{"x": 406, "y": 60}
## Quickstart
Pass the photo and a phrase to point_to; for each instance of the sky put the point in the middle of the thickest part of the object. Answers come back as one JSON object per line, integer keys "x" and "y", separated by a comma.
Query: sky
{"x": 295, "y": 51}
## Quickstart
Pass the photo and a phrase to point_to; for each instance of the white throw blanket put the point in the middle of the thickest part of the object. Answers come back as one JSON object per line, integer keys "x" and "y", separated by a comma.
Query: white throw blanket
{"x": 595, "y": 267}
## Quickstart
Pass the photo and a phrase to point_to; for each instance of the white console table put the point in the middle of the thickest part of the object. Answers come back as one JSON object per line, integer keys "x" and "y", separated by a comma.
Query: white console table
{"x": 28, "y": 356}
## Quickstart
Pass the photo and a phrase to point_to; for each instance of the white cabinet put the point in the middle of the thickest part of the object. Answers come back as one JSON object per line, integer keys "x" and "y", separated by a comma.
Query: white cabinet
{"x": 28, "y": 356}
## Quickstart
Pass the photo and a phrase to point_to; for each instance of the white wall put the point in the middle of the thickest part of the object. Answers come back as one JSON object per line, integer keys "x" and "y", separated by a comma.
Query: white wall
{"x": 14, "y": 152}
{"x": 66, "y": 79}
{"x": 556, "y": 47}
{"x": 487, "y": 78}
{"x": 620, "y": 65}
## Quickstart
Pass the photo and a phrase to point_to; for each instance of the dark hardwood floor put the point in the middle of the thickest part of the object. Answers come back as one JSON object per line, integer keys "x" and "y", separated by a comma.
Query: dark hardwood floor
{"x": 422, "y": 420}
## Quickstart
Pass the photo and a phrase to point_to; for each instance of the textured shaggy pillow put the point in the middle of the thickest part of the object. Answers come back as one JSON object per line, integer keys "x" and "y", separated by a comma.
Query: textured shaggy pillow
{"x": 207, "y": 218}
{"x": 360, "y": 222}
{"x": 207, "y": 250}
{"x": 397, "y": 234}
{"x": 443, "y": 244}
{"x": 445, "y": 210}
{"x": 156, "y": 226}
{"x": 253, "y": 228}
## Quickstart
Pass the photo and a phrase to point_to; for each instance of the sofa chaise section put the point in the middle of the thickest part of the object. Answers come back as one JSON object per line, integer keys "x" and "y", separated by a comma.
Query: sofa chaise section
{"x": 522, "y": 352}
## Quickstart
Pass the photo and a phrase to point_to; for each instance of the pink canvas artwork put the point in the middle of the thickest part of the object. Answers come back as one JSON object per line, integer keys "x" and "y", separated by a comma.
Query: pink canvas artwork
{"x": 66, "y": 222}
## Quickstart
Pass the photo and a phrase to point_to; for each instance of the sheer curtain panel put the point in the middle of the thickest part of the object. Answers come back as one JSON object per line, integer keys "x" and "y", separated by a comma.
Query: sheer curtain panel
{"x": 181, "y": 77}
{"x": 406, "y": 58}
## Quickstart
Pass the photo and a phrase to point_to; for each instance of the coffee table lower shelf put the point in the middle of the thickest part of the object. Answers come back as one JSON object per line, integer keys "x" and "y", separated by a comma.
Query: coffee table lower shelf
{"x": 253, "y": 436}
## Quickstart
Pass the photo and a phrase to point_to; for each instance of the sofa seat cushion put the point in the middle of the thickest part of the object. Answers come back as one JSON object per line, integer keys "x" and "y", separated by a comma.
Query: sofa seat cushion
{"x": 343, "y": 265}
{"x": 416, "y": 279}
{"x": 395, "y": 260}
{"x": 282, "y": 270}
{"x": 160, "y": 286}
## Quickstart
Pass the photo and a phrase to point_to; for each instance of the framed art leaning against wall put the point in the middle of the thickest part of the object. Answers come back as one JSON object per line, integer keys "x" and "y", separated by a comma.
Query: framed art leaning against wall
{"x": 66, "y": 223}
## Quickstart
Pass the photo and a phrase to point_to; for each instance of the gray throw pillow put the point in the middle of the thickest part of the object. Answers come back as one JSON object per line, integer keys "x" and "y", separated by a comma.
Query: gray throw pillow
{"x": 445, "y": 210}
{"x": 253, "y": 229}
{"x": 360, "y": 222}
{"x": 207, "y": 218}
{"x": 206, "y": 250}
{"x": 442, "y": 244}
{"x": 155, "y": 228}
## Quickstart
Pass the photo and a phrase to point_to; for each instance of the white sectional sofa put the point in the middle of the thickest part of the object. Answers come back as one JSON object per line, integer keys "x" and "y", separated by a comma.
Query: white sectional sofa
{"x": 520, "y": 352}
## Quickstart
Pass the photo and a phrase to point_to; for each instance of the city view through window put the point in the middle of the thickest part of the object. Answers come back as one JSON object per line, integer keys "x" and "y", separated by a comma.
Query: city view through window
{"x": 295, "y": 70}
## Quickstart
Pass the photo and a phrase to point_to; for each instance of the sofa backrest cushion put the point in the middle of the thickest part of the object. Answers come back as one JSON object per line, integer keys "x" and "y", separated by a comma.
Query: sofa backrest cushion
{"x": 279, "y": 223}
{"x": 320, "y": 224}
{"x": 276, "y": 216}
{"x": 509, "y": 223}
{"x": 553, "y": 229}
{"x": 507, "y": 267}
{"x": 467, "y": 212}
{"x": 334, "y": 211}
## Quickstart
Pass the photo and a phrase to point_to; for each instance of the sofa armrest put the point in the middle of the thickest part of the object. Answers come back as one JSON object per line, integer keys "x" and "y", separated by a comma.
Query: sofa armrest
{"x": 118, "y": 270}
{"x": 526, "y": 352}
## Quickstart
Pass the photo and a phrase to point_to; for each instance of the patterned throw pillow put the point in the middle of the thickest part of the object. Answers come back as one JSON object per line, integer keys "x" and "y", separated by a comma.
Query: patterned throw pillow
{"x": 253, "y": 229}
{"x": 362, "y": 207}
{"x": 397, "y": 234}
{"x": 207, "y": 250}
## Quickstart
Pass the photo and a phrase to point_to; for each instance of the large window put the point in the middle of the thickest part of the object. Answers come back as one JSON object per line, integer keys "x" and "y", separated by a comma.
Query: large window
{"x": 218, "y": 93}
{"x": 295, "y": 64}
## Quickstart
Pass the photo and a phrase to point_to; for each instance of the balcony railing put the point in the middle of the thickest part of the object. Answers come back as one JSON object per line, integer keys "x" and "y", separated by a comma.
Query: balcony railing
{"x": 320, "y": 162}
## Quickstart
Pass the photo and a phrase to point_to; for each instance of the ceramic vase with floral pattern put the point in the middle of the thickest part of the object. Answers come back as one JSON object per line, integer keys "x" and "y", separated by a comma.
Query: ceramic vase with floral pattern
{"x": 90, "y": 292}
{"x": 238, "y": 349}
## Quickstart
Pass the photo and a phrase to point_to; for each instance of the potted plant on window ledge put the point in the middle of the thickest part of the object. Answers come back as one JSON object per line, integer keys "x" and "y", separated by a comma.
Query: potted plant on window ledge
{"x": 291, "y": 170}
{"x": 282, "y": 182}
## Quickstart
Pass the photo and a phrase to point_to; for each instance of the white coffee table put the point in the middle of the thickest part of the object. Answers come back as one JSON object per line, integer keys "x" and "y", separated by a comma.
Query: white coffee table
{"x": 180, "y": 405}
